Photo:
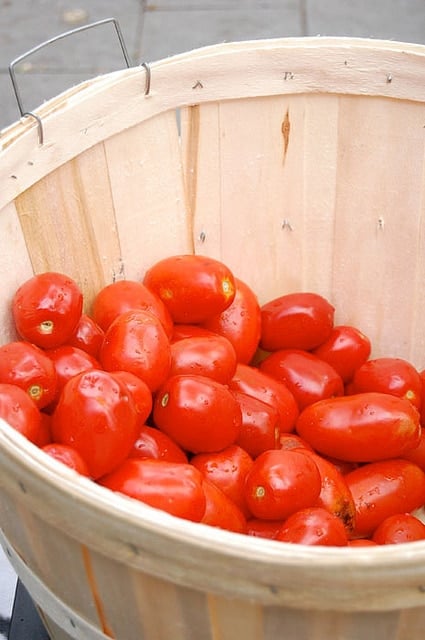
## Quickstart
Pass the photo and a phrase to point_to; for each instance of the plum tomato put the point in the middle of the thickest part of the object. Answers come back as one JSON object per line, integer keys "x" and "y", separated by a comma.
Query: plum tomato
{"x": 137, "y": 342}
{"x": 176, "y": 488}
{"x": 401, "y": 527}
{"x": 260, "y": 429}
{"x": 139, "y": 391}
{"x": 68, "y": 361}
{"x": 263, "y": 528}
{"x": 46, "y": 309}
{"x": 20, "y": 412}
{"x": 26, "y": 365}
{"x": 293, "y": 441}
{"x": 313, "y": 526}
{"x": 240, "y": 322}
{"x": 182, "y": 331}
{"x": 212, "y": 356}
{"x": 346, "y": 349}
{"x": 220, "y": 510}
{"x": 361, "y": 428}
{"x": 68, "y": 456}
{"x": 87, "y": 336}
{"x": 417, "y": 455}
{"x": 192, "y": 287}
{"x": 97, "y": 416}
{"x": 300, "y": 320}
{"x": 199, "y": 413}
{"x": 382, "y": 489}
{"x": 281, "y": 482}
{"x": 154, "y": 444}
{"x": 307, "y": 377}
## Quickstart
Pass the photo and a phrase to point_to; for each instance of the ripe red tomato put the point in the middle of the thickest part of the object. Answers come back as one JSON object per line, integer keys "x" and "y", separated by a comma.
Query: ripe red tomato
{"x": 389, "y": 375}
{"x": 293, "y": 441}
{"x": 263, "y": 528}
{"x": 68, "y": 361}
{"x": 417, "y": 455}
{"x": 307, "y": 377}
{"x": 313, "y": 526}
{"x": 281, "y": 482}
{"x": 153, "y": 443}
{"x": 20, "y": 412}
{"x": 176, "y": 488}
{"x": 96, "y": 415}
{"x": 361, "y": 428}
{"x": 346, "y": 349}
{"x": 361, "y": 542}
{"x": 28, "y": 366}
{"x": 296, "y": 321}
{"x": 136, "y": 342}
{"x": 221, "y": 511}
{"x": 240, "y": 322}
{"x": 68, "y": 456}
{"x": 87, "y": 336}
{"x": 199, "y": 413}
{"x": 260, "y": 429}
{"x": 192, "y": 287}
{"x": 182, "y": 331}
{"x": 139, "y": 391}
{"x": 401, "y": 527}
{"x": 384, "y": 488}
{"x": 212, "y": 356}
{"x": 260, "y": 385}
{"x": 46, "y": 309}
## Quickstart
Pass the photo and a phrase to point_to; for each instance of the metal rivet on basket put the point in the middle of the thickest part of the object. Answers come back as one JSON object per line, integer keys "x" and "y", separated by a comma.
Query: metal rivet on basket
{"x": 389, "y": 78}
{"x": 288, "y": 75}
{"x": 202, "y": 236}
{"x": 198, "y": 85}
{"x": 287, "y": 225}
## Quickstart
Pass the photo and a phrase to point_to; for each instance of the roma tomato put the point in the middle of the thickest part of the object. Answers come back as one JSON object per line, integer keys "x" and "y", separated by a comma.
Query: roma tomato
{"x": 307, "y": 377}
{"x": 255, "y": 383}
{"x": 313, "y": 526}
{"x": 221, "y": 511}
{"x": 169, "y": 486}
{"x": 346, "y": 349}
{"x": 296, "y": 321}
{"x": 263, "y": 528}
{"x": 382, "y": 489}
{"x": 212, "y": 356}
{"x": 96, "y": 415}
{"x": 240, "y": 322}
{"x": 192, "y": 287}
{"x": 46, "y": 309}
{"x": 137, "y": 342}
{"x": 401, "y": 527}
{"x": 389, "y": 375}
{"x": 68, "y": 361}
{"x": 293, "y": 441}
{"x": 417, "y": 455}
{"x": 199, "y": 413}
{"x": 260, "y": 429}
{"x": 28, "y": 366}
{"x": 68, "y": 456}
{"x": 281, "y": 482}
{"x": 139, "y": 391}
{"x": 182, "y": 331}
{"x": 361, "y": 428}
{"x": 87, "y": 336}
{"x": 361, "y": 542}
{"x": 20, "y": 412}
{"x": 154, "y": 444}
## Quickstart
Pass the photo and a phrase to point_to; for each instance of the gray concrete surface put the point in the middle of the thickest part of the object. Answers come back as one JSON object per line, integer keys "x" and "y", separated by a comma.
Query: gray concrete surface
{"x": 155, "y": 29}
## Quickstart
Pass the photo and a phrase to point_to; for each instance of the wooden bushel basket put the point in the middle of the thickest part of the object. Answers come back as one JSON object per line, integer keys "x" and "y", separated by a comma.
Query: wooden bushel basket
{"x": 300, "y": 164}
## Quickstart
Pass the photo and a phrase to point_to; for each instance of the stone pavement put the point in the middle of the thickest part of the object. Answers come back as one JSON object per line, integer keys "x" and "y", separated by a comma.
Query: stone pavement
{"x": 155, "y": 29}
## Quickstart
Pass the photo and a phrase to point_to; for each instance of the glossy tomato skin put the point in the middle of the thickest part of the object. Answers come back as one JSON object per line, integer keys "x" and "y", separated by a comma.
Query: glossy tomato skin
{"x": 68, "y": 361}
{"x": 172, "y": 487}
{"x": 137, "y": 342}
{"x": 361, "y": 428}
{"x": 87, "y": 336}
{"x": 182, "y": 331}
{"x": 346, "y": 349}
{"x": 296, "y": 321}
{"x": 280, "y": 483}
{"x": 260, "y": 429}
{"x": 221, "y": 511}
{"x": 192, "y": 287}
{"x": 154, "y": 444}
{"x": 389, "y": 375}
{"x": 293, "y": 441}
{"x": 139, "y": 391}
{"x": 264, "y": 387}
{"x": 399, "y": 528}
{"x": 382, "y": 489}
{"x": 199, "y": 413}
{"x": 68, "y": 456}
{"x": 308, "y": 378}
{"x": 28, "y": 366}
{"x": 96, "y": 415}
{"x": 18, "y": 410}
{"x": 259, "y": 528}
{"x": 313, "y": 526}
{"x": 46, "y": 309}
{"x": 212, "y": 356}
{"x": 240, "y": 322}
{"x": 417, "y": 455}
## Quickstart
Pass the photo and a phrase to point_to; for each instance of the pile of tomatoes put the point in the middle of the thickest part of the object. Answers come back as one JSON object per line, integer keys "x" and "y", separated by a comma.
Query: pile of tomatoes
{"x": 181, "y": 391}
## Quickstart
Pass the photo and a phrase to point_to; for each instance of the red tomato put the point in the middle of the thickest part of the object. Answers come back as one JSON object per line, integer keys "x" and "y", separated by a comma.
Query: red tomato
{"x": 153, "y": 443}
{"x": 281, "y": 482}
{"x": 46, "y": 429}
{"x": 68, "y": 456}
{"x": 192, "y": 287}
{"x": 401, "y": 527}
{"x": 139, "y": 391}
{"x": 87, "y": 336}
{"x": 128, "y": 295}
{"x": 221, "y": 511}
{"x": 361, "y": 428}
{"x": 417, "y": 455}
{"x": 384, "y": 488}
{"x": 46, "y": 309}
{"x": 227, "y": 469}
{"x": 361, "y": 542}
{"x": 307, "y": 377}
{"x": 28, "y": 366}
{"x": 260, "y": 385}
{"x": 199, "y": 413}
{"x": 346, "y": 349}
{"x": 292, "y": 441}
{"x": 296, "y": 321}
{"x": 136, "y": 342}
{"x": 96, "y": 415}
{"x": 176, "y": 488}
{"x": 313, "y": 526}
{"x": 212, "y": 356}
{"x": 182, "y": 331}
{"x": 263, "y": 528}
{"x": 68, "y": 361}
{"x": 389, "y": 375}
{"x": 20, "y": 412}
{"x": 260, "y": 429}
{"x": 240, "y": 322}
